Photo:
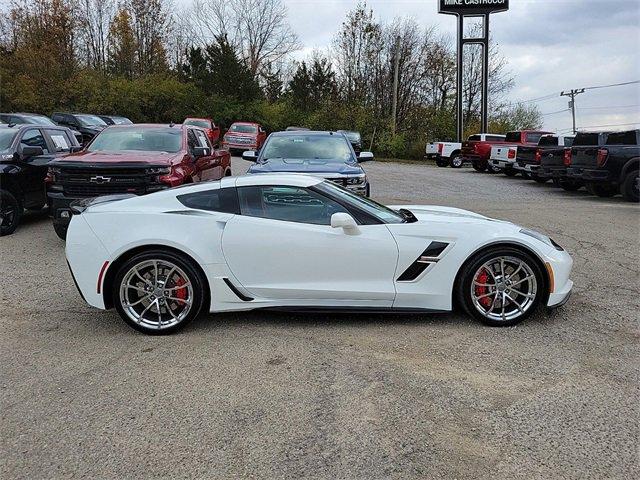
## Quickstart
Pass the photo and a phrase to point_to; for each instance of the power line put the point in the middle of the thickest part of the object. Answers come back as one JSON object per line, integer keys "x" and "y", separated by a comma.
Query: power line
{"x": 607, "y": 107}
{"x": 553, "y": 113}
{"x": 554, "y": 95}
{"x": 612, "y": 85}
{"x": 601, "y": 126}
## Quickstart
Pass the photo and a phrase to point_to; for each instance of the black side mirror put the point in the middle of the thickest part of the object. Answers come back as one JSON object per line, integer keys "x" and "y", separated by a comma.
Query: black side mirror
{"x": 31, "y": 151}
{"x": 75, "y": 149}
{"x": 201, "y": 152}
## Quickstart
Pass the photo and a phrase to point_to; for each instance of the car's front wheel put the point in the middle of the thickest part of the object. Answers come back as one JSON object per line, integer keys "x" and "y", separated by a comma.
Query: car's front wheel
{"x": 10, "y": 212}
{"x": 158, "y": 292}
{"x": 501, "y": 286}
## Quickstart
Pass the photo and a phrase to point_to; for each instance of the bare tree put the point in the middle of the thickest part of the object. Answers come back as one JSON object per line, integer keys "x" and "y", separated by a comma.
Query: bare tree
{"x": 94, "y": 18}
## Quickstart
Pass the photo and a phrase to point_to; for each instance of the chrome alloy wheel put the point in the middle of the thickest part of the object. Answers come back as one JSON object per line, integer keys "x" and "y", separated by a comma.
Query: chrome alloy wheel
{"x": 156, "y": 294}
{"x": 504, "y": 288}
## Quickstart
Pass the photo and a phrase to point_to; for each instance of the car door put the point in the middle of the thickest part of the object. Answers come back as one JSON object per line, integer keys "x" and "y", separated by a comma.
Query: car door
{"x": 34, "y": 169}
{"x": 282, "y": 247}
{"x": 209, "y": 166}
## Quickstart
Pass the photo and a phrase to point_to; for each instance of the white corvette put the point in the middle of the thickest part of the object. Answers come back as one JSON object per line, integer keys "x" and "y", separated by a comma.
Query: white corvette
{"x": 290, "y": 241}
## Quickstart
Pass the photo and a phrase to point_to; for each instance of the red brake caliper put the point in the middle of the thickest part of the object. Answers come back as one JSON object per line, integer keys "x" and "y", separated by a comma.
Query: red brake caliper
{"x": 180, "y": 293}
{"x": 482, "y": 277}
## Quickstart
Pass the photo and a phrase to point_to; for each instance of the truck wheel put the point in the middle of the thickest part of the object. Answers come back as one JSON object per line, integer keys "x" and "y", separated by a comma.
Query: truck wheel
{"x": 631, "y": 187}
{"x": 456, "y": 161}
{"x": 603, "y": 190}
{"x": 441, "y": 162}
{"x": 61, "y": 231}
{"x": 569, "y": 185}
{"x": 539, "y": 179}
{"x": 10, "y": 213}
{"x": 479, "y": 166}
{"x": 510, "y": 172}
{"x": 493, "y": 169}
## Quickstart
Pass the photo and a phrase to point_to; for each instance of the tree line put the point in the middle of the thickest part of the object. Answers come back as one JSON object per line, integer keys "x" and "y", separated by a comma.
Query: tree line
{"x": 235, "y": 61}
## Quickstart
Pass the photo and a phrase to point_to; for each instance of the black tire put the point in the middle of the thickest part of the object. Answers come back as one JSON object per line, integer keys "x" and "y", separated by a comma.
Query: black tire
{"x": 227, "y": 172}
{"x": 456, "y": 161}
{"x": 493, "y": 169}
{"x": 193, "y": 275}
{"x": 368, "y": 191}
{"x": 526, "y": 175}
{"x": 10, "y": 212}
{"x": 630, "y": 188}
{"x": 472, "y": 266}
{"x": 603, "y": 190}
{"x": 61, "y": 230}
{"x": 539, "y": 179}
{"x": 441, "y": 162}
{"x": 479, "y": 166}
{"x": 569, "y": 185}
{"x": 510, "y": 172}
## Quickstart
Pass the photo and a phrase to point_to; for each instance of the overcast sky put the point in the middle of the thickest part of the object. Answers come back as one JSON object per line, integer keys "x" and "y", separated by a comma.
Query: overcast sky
{"x": 551, "y": 45}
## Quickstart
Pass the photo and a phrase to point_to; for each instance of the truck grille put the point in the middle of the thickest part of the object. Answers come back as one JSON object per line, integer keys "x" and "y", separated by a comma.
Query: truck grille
{"x": 240, "y": 140}
{"x": 91, "y": 182}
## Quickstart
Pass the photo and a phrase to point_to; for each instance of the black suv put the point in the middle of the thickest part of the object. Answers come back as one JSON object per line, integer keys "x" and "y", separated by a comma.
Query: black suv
{"x": 33, "y": 119}
{"x": 354, "y": 138}
{"x": 25, "y": 152}
{"x": 88, "y": 125}
{"x": 115, "y": 120}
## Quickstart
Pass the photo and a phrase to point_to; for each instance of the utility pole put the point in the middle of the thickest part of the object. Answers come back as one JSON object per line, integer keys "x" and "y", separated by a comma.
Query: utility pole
{"x": 572, "y": 103}
{"x": 396, "y": 68}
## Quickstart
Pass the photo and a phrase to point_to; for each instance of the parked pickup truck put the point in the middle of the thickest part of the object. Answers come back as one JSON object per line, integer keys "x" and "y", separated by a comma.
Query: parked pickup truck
{"x": 607, "y": 167}
{"x": 449, "y": 153}
{"x": 529, "y": 159}
{"x": 477, "y": 150}
{"x": 138, "y": 159}
{"x": 504, "y": 156}
{"x": 431, "y": 150}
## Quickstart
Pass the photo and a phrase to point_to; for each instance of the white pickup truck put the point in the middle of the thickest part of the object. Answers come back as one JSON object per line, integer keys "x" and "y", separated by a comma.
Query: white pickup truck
{"x": 449, "y": 153}
{"x": 431, "y": 151}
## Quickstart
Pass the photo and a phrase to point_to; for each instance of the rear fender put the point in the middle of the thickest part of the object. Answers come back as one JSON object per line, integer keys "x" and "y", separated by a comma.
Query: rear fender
{"x": 633, "y": 164}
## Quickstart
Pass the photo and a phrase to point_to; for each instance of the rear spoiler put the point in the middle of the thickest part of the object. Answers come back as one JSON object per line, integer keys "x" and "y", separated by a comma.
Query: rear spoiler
{"x": 79, "y": 206}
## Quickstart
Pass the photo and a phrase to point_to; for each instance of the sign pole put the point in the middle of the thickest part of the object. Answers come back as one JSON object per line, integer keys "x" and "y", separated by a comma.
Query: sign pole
{"x": 484, "y": 127}
{"x": 459, "y": 86}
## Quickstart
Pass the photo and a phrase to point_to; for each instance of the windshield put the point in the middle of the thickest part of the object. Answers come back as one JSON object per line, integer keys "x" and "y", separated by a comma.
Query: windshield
{"x": 197, "y": 123}
{"x": 6, "y": 137}
{"x": 145, "y": 139}
{"x": 38, "y": 120}
{"x": 243, "y": 128}
{"x": 121, "y": 121}
{"x": 353, "y": 137}
{"x": 375, "y": 209}
{"x": 313, "y": 147}
{"x": 90, "y": 120}
{"x": 512, "y": 137}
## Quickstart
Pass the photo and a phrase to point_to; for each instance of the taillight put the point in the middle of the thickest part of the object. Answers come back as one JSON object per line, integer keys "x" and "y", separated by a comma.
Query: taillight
{"x": 538, "y": 157}
{"x": 511, "y": 154}
{"x": 440, "y": 146}
{"x": 567, "y": 157}
{"x": 603, "y": 154}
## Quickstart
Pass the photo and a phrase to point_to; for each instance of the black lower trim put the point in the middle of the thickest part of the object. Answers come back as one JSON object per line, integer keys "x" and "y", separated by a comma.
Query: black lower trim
{"x": 238, "y": 293}
{"x": 75, "y": 282}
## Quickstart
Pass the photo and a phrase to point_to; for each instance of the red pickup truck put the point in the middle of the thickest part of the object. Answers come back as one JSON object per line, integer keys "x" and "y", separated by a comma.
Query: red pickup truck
{"x": 138, "y": 159}
{"x": 210, "y": 128}
{"x": 477, "y": 150}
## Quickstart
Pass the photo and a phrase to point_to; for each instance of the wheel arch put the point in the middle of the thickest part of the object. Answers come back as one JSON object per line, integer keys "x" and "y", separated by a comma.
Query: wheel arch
{"x": 8, "y": 182}
{"x": 114, "y": 266}
{"x": 633, "y": 164}
{"x": 500, "y": 243}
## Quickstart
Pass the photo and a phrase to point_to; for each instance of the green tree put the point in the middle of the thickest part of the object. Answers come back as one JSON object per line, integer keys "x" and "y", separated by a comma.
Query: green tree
{"x": 122, "y": 45}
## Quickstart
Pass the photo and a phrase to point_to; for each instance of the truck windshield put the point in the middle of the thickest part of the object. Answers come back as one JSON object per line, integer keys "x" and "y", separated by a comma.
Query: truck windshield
{"x": 548, "y": 141}
{"x": 243, "y": 128}
{"x": 587, "y": 139}
{"x": 161, "y": 139}
{"x": 38, "y": 120}
{"x": 6, "y": 137}
{"x": 90, "y": 120}
{"x": 309, "y": 147}
{"x": 533, "y": 137}
{"x": 197, "y": 123}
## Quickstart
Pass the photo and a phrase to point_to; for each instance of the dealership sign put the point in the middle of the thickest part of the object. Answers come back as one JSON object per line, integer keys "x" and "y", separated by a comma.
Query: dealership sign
{"x": 473, "y": 7}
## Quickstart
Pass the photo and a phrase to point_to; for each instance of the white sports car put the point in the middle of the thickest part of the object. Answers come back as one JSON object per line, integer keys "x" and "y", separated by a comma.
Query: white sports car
{"x": 291, "y": 241}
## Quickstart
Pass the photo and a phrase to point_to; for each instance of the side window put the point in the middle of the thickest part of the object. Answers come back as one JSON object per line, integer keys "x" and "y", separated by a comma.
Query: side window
{"x": 192, "y": 141}
{"x": 202, "y": 139}
{"x": 215, "y": 200}
{"x": 495, "y": 139}
{"x": 287, "y": 203}
{"x": 33, "y": 138}
{"x": 60, "y": 139}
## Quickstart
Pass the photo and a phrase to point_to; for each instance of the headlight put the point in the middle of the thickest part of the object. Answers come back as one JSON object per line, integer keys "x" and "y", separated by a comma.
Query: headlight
{"x": 543, "y": 238}
{"x": 357, "y": 180}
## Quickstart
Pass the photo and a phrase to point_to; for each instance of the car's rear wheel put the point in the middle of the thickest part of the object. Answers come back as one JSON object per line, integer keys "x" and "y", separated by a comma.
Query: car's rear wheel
{"x": 479, "y": 166}
{"x": 501, "y": 286}
{"x": 631, "y": 187}
{"x": 603, "y": 190}
{"x": 441, "y": 162}
{"x": 456, "y": 161}
{"x": 158, "y": 292}
{"x": 10, "y": 212}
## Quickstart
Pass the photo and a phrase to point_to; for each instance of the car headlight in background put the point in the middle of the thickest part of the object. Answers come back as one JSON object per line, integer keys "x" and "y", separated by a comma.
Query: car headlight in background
{"x": 541, "y": 237}
{"x": 357, "y": 180}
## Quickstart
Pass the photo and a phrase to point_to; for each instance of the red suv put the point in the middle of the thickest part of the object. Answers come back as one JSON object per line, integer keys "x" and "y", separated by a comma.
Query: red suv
{"x": 138, "y": 159}
{"x": 212, "y": 131}
{"x": 243, "y": 136}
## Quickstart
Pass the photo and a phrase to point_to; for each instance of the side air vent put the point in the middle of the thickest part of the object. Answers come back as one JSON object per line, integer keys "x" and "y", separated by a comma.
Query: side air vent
{"x": 238, "y": 293}
{"x": 429, "y": 256}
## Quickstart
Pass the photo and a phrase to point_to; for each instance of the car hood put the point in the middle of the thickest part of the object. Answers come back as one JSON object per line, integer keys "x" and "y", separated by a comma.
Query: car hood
{"x": 320, "y": 167}
{"x": 125, "y": 156}
{"x": 431, "y": 213}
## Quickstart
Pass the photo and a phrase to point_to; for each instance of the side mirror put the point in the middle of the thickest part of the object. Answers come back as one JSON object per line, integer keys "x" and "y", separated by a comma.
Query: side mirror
{"x": 75, "y": 148}
{"x": 200, "y": 152}
{"x": 346, "y": 222}
{"x": 250, "y": 155}
{"x": 365, "y": 157}
{"x": 29, "y": 151}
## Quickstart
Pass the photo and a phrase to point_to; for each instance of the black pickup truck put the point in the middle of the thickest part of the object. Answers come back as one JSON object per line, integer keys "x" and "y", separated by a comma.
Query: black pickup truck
{"x": 610, "y": 166}
{"x": 529, "y": 159}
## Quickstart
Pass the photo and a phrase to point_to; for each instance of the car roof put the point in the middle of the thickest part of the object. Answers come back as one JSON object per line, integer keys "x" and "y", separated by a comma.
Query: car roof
{"x": 291, "y": 179}
{"x": 293, "y": 133}
{"x": 245, "y": 123}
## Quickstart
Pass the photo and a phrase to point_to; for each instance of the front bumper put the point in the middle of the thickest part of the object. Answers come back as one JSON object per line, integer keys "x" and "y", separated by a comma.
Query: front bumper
{"x": 239, "y": 146}
{"x": 559, "y": 265}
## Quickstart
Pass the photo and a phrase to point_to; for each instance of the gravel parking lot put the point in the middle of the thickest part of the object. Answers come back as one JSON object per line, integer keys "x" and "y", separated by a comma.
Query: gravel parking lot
{"x": 268, "y": 395}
